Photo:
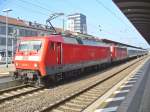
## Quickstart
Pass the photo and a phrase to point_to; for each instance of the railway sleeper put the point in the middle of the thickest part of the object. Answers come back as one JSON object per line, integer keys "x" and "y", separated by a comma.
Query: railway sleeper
{"x": 92, "y": 94}
{"x": 83, "y": 99}
{"x": 88, "y": 96}
{"x": 94, "y": 91}
{"x": 66, "y": 108}
{"x": 76, "y": 104}
{"x": 79, "y": 102}
{"x": 56, "y": 110}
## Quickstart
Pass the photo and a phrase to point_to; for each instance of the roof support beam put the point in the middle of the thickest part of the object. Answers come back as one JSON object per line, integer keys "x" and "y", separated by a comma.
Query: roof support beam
{"x": 138, "y": 12}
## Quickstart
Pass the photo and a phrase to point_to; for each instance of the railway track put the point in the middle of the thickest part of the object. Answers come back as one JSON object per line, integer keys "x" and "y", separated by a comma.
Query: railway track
{"x": 52, "y": 98}
{"x": 80, "y": 100}
{"x": 14, "y": 92}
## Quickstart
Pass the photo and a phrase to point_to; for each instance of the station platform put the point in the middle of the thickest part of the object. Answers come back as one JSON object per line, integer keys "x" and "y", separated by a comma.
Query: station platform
{"x": 133, "y": 95}
{"x": 4, "y": 71}
{"x": 138, "y": 100}
{"x": 6, "y": 79}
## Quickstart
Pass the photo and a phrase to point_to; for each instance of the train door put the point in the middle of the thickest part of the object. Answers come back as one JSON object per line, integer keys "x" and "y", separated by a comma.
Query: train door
{"x": 59, "y": 53}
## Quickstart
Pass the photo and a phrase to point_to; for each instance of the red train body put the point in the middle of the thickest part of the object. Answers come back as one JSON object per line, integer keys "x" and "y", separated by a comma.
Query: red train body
{"x": 118, "y": 53}
{"x": 51, "y": 56}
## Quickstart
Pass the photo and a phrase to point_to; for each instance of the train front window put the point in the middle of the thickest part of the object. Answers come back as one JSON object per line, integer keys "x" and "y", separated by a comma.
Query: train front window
{"x": 34, "y": 45}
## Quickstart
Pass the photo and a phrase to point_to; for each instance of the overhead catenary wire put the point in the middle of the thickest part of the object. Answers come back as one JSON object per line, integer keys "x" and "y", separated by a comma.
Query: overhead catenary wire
{"x": 41, "y": 7}
{"x": 111, "y": 12}
{"x": 36, "y": 5}
{"x": 96, "y": 26}
{"x": 115, "y": 15}
{"x": 31, "y": 10}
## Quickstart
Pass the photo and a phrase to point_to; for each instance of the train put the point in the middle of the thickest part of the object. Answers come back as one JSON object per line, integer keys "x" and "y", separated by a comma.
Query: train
{"x": 52, "y": 58}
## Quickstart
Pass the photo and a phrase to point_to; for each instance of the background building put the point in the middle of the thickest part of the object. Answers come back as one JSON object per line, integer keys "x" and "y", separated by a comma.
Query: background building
{"x": 77, "y": 23}
{"x": 16, "y": 29}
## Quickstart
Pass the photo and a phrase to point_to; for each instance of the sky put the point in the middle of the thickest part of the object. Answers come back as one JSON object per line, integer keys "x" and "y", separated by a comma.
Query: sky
{"x": 104, "y": 19}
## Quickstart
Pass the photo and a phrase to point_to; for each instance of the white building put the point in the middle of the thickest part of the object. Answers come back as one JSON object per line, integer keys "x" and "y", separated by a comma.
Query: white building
{"x": 77, "y": 23}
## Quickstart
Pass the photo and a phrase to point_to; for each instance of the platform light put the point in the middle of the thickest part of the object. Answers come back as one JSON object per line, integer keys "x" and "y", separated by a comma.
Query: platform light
{"x": 7, "y": 11}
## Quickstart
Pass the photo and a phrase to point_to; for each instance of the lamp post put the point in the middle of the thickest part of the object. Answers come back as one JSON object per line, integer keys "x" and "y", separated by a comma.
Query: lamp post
{"x": 13, "y": 38}
{"x": 7, "y": 10}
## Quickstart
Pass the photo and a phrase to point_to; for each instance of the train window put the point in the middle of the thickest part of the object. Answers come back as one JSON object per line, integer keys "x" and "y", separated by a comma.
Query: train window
{"x": 70, "y": 40}
{"x": 52, "y": 46}
{"x": 30, "y": 45}
{"x": 90, "y": 42}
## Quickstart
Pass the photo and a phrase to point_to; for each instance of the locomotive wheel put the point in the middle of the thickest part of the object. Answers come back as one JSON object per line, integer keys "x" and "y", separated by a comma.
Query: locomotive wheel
{"x": 38, "y": 82}
{"x": 59, "y": 77}
{"x": 46, "y": 80}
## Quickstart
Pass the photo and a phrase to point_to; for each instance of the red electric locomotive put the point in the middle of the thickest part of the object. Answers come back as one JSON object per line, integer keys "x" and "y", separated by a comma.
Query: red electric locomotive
{"x": 50, "y": 57}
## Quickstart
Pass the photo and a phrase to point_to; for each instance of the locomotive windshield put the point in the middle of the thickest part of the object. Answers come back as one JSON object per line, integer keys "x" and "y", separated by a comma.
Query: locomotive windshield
{"x": 34, "y": 45}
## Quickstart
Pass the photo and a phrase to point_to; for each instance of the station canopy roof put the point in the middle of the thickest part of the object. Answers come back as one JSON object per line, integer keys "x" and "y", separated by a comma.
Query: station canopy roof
{"x": 138, "y": 12}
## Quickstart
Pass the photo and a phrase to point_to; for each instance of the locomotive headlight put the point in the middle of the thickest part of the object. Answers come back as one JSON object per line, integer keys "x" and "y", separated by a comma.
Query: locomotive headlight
{"x": 16, "y": 64}
{"x": 35, "y": 65}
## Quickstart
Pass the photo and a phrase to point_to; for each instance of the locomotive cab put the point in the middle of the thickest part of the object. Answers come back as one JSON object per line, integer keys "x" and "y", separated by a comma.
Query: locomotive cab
{"x": 35, "y": 55}
{"x": 27, "y": 59}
